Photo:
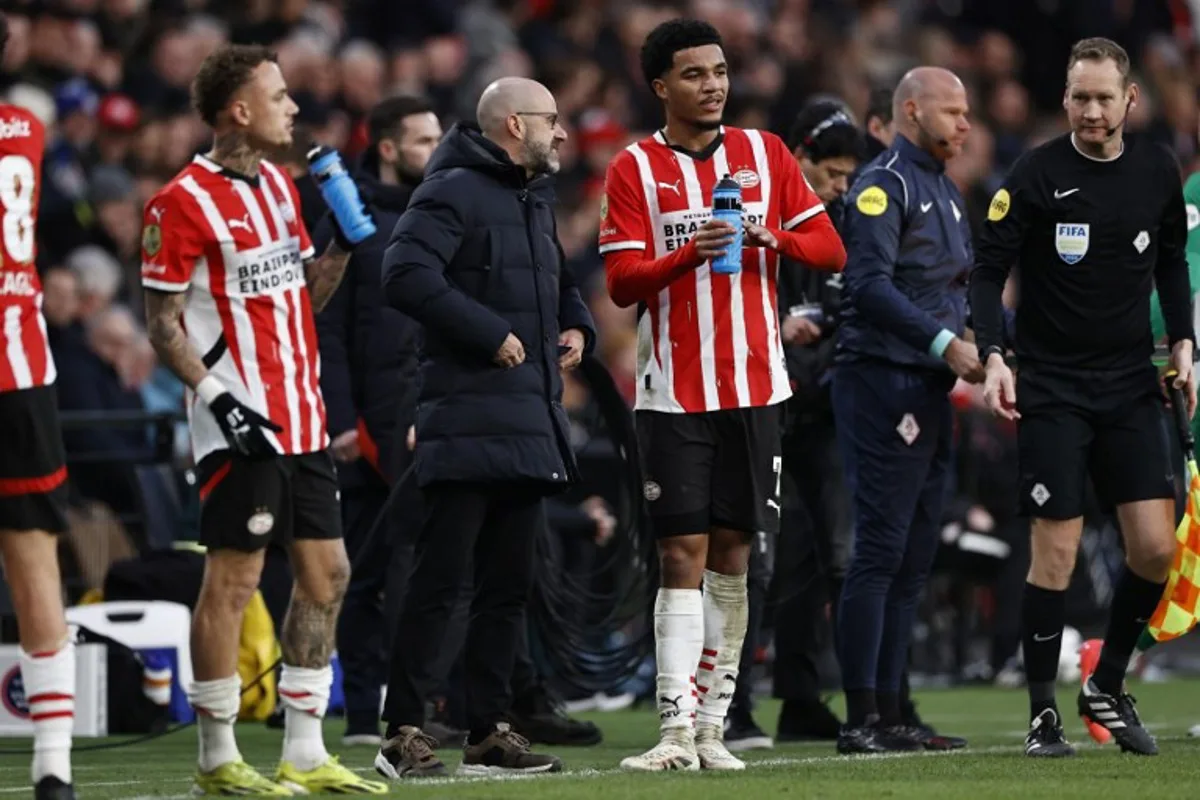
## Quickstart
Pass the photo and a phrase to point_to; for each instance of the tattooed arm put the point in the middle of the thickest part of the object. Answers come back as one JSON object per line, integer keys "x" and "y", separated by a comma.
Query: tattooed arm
{"x": 324, "y": 273}
{"x": 164, "y": 325}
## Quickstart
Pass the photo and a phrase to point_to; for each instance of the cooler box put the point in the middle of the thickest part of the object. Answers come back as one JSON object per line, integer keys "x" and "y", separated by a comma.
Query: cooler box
{"x": 148, "y": 626}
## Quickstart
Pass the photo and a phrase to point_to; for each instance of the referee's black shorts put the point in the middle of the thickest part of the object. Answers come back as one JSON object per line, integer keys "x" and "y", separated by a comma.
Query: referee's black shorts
{"x": 1076, "y": 423}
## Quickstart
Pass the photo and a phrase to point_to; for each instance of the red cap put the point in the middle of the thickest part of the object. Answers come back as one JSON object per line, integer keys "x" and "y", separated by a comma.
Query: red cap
{"x": 118, "y": 112}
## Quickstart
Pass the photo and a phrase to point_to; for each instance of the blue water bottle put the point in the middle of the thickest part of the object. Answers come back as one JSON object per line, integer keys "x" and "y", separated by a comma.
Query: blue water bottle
{"x": 727, "y": 207}
{"x": 340, "y": 193}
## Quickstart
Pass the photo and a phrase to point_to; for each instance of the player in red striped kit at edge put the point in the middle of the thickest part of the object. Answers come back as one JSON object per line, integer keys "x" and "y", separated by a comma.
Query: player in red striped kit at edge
{"x": 711, "y": 374}
{"x": 33, "y": 471}
{"x": 231, "y": 282}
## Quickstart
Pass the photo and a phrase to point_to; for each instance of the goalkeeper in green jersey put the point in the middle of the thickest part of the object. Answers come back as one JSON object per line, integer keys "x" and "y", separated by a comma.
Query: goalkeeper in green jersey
{"x": 1191, "y": 197}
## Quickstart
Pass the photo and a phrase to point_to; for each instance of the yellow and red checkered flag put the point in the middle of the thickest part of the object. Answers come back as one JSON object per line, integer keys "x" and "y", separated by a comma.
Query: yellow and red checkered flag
{"x": 1177, "y": 611}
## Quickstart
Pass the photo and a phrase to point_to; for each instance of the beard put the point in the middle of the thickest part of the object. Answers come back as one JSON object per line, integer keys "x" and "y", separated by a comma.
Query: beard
{"x": 706, "y": 124}
{"x": 540, "y": 158}
{"x": 408, "y": 175}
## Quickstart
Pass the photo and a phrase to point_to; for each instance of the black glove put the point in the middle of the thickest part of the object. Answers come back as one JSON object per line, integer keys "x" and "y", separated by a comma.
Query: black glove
{"x": 243, "y": 427}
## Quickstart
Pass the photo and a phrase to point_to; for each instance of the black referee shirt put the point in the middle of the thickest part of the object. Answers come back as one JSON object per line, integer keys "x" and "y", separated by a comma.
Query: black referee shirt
{"x": 1092, "y": 239}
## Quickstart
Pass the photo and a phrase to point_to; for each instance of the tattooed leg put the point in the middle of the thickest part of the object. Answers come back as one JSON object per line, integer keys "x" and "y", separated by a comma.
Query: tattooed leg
{"x": 308, "y": 628}
{"x": 322, "y": 573}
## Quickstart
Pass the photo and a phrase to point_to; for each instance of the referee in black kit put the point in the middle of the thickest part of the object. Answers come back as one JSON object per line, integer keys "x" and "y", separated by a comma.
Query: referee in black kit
{"x": 1096, "y": 221}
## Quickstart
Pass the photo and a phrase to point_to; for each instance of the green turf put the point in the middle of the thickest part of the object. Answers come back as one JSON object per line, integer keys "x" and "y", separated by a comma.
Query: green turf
{"x": 992, "y": 768}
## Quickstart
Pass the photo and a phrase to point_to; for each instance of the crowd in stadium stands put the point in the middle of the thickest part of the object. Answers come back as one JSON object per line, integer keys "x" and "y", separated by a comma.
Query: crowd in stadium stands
{"x": 111, "y": 78}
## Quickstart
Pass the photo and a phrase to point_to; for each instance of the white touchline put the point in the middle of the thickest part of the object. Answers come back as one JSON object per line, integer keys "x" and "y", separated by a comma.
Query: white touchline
{"x": 782, "y": 761}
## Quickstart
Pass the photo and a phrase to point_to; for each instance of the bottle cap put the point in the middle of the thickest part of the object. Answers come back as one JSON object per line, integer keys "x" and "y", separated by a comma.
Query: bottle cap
{"x": 727, "y": 195}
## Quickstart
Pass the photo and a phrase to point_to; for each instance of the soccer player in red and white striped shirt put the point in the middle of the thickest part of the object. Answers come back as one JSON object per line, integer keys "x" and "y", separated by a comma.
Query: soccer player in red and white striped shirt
{"x": 33, "y": 471}
{"x": 231, "y": 283}
{"x": 711, "y": 374}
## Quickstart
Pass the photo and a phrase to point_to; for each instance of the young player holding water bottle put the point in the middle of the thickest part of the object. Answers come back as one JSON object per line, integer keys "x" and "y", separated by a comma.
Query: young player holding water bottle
{"x": 693, "y": 222}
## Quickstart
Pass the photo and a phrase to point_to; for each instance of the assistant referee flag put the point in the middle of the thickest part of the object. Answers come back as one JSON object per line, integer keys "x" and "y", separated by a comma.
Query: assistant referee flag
{"x": 1176, "y": 612}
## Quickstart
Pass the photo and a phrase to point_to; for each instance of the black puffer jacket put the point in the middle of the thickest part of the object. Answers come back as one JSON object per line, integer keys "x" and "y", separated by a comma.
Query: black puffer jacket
{"x": 475, "y": 257}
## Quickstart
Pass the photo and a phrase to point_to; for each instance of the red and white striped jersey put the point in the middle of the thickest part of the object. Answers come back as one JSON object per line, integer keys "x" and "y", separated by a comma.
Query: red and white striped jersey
{"x": 25, "y": 359}
{"x": 237, "y": 247}
{"x": 708, "y": 341}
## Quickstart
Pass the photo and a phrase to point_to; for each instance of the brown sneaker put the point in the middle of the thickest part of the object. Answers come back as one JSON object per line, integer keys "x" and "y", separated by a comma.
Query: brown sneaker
{"x": 409, "y": 754}
{"x": 505, "y": 752}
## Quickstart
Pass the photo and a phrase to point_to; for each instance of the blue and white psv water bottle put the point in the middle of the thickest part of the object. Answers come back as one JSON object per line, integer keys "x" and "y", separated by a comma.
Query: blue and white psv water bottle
{"x": 727, "y": 207}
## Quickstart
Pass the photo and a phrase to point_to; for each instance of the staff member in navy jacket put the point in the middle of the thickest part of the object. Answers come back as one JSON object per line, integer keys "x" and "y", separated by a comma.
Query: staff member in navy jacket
{"x": 900, "y": 348}
{"x": 368, "y": 370}
{"x": 476, "y": 261}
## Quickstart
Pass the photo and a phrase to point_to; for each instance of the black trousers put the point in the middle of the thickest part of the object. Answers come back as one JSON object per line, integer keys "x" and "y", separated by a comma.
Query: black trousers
{"x": 492, "y": 529}
{"x": 361, "y": 631}
{"x": 813, "y": 550}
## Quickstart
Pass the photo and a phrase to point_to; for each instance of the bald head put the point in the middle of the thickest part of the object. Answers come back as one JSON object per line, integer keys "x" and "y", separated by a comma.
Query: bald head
{"x": 521, "y": 116}
{"x": 922, "y": 84}
{"x": 929, "y": 107}
{"x": 508, "y": 96}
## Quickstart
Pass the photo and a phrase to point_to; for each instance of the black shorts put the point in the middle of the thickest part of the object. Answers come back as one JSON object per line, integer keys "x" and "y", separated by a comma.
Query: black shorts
{"x": 33, "y": 471}
{"x": 718, "y": 469}
{"x": 1076, "y": 425}
{"x": 247, "y": 504}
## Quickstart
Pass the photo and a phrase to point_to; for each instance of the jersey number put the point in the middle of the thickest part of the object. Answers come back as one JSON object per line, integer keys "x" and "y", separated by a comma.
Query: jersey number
{"x": 16, "y": 195}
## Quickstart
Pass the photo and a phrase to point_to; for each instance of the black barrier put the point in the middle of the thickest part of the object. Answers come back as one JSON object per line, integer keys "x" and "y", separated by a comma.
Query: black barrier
{"x": 160, "y": 423}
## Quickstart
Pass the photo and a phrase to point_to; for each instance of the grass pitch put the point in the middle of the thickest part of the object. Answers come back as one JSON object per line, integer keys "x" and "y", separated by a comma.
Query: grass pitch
{"x": 993, "y": 766}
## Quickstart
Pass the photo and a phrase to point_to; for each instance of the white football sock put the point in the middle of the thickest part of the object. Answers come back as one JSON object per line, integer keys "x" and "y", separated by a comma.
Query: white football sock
{"x": 305, "y": 695}
{"x": 726, "y": 613}
{"x": 216, "y": 703}
{"x": 678, "y": 637}
{"x": 49, "y": 680}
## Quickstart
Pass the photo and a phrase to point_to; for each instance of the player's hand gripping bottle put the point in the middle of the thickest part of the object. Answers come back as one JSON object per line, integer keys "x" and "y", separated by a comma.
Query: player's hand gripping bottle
{"x": 727, "y": 207}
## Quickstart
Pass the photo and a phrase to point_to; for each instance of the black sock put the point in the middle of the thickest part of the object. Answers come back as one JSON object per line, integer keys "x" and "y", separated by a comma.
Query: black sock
{"x": 908, "y": 709}
{"x": 889, "y": 708}
{"x": 1042, "y": 613}
{"x": 860, "y": 705}
{"x": 1133, "y": 603}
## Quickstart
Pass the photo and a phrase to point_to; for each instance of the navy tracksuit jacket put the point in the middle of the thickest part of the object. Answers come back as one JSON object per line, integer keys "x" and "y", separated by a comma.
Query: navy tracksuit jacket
{"x": 909, "y": 253}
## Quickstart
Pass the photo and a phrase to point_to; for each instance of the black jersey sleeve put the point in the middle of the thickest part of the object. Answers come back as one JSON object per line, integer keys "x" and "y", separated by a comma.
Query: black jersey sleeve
{"x": 1000, "y": 239}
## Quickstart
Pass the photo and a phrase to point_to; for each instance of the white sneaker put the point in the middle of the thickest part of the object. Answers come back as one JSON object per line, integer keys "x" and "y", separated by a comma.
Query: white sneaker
{"x": 676, "y": 751}
{"x": 711, "y": 750}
